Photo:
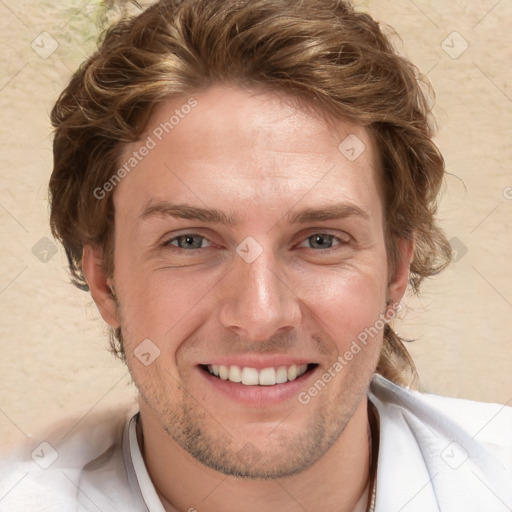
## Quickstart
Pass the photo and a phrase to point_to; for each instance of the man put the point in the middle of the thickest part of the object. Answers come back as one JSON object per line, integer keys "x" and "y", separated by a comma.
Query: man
{"x": 246, "y": 189}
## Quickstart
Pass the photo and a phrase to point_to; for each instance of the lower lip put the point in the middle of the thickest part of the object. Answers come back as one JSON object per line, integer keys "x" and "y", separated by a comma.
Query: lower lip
{"x": 259, "y": 395}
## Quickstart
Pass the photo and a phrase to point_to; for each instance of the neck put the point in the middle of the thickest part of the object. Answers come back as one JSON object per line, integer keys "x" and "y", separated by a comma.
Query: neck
{"x": 336, "y": 481}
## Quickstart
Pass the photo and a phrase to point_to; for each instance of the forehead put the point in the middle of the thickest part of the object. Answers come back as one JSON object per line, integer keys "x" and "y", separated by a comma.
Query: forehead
{"x": 247, "y": 145}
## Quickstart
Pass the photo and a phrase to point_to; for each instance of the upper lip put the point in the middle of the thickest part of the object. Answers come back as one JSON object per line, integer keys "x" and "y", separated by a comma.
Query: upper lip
{"x": 259, "y": 362}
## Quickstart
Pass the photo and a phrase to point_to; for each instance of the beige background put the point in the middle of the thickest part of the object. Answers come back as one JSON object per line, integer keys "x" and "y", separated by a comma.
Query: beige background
{"x": 54, "y": 358}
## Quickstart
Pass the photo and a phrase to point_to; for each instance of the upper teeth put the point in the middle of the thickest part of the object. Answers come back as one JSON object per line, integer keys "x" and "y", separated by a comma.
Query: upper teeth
{"x": 253, "y": 377}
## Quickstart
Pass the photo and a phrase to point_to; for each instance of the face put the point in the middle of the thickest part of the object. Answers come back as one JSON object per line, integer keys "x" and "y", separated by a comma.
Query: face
{"x": 247, "y": 244}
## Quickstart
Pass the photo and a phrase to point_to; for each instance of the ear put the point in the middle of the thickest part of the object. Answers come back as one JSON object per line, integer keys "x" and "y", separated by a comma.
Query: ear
{"x": 99, "y": 284}
{"x": 400, "y": 278}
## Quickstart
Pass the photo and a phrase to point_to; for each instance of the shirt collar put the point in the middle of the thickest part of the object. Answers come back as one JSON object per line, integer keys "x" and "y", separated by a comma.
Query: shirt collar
{"x": 138, "y": 475}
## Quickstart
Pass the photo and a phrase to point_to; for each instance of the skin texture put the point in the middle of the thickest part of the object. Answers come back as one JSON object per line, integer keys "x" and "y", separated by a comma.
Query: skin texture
{"x": 259, "y": 159}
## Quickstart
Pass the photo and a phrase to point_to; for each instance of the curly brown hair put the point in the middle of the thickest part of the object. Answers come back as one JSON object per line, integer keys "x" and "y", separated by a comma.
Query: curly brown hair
{"x": 322, "y": 52}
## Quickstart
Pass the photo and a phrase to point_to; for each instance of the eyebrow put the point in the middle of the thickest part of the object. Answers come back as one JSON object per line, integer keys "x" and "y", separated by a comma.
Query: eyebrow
{"x": 335, "y": 212}
{"x": 184, "y": 211}
{"x": 210, "y": 215}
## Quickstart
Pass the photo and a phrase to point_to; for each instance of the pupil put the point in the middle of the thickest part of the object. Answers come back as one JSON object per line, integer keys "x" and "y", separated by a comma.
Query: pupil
{"x": 321, "y": 241}
{"x": 188, "y": 241}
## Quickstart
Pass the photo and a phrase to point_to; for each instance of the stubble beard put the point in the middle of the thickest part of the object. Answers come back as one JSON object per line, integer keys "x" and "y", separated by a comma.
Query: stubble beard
{"x": 279, "y": 455}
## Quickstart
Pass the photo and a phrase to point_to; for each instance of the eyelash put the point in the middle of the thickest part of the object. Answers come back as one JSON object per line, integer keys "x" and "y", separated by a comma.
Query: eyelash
{"x": 340, "y": 242}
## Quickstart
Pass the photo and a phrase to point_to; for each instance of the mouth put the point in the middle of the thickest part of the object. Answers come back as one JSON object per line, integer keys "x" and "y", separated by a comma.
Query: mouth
{"x": 257, "y": 381}
{"x": 248, "y": 376}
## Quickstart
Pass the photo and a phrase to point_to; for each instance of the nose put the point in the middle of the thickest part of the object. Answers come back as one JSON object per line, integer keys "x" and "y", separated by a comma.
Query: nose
{"x": 256, "y": 302}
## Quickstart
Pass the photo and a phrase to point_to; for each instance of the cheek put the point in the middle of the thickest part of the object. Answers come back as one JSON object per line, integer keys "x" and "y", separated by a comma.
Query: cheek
{"x": 345, "y": 305}
{"x": 161, "y": 304}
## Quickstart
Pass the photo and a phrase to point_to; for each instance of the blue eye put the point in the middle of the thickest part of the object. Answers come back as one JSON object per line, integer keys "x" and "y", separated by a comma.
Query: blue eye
{"x": 192, "y": 241}
{"x": 188, "y": 241}
{"x": 322, "y": 241}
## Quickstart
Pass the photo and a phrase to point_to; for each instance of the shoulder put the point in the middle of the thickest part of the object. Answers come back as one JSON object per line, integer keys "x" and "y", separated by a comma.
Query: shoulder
{"x": 487, "y": 423}
{"x": 50, "y": 470}
{"x": 454, "y": 452}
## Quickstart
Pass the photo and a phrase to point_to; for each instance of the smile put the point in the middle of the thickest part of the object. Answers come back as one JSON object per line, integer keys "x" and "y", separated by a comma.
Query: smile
{"x": 253, "y": 377}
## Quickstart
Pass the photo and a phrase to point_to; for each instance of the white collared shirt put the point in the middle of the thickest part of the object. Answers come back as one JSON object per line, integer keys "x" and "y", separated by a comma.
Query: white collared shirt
{"x": 435, "y": 453}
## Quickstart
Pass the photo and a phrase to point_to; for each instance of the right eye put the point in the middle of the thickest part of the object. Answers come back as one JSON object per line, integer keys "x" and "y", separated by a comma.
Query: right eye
{"x": 188, "y": 241}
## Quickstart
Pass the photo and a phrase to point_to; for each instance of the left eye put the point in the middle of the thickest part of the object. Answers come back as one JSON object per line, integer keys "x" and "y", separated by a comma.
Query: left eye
{"x": 188, "y": 241}
{"x": 321, "y": 241}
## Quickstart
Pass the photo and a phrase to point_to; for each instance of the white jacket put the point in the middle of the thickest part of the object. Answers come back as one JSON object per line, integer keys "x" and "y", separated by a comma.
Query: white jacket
{"x": 435, "y": 453}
